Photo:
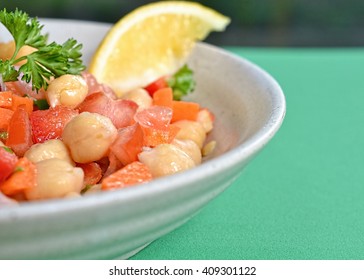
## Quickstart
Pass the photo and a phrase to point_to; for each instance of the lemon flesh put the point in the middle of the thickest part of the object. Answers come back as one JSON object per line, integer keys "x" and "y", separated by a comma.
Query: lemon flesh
{"x": 152, "y": 41}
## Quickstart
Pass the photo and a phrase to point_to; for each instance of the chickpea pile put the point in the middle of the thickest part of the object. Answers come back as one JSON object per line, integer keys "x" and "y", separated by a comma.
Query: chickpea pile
{"x": 87, "y": 138}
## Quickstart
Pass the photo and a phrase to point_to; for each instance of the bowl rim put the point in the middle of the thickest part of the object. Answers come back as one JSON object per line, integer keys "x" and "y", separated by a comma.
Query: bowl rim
{"x": 224, "y": 161}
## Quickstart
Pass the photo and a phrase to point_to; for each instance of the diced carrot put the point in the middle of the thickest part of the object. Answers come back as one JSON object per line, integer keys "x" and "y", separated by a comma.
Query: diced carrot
{"x": 156, "y": 136}
{"x": 185, "y": 110}
{"x": 19, "y": 131}
{"x": 133, "y": 173}
{"x": 163, "y": 97}
{"x": 23, "y": 178}
{"x": 19, "y": 100}
{"x": 6, "y": 99}
{"x": 155, "y": 124}
{"x": 92, "y": 173}
{"x": 5, "y": 116}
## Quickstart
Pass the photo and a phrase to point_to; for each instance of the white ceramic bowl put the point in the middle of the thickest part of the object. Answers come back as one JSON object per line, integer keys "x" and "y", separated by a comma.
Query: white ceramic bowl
{"x": 249, "y": 106}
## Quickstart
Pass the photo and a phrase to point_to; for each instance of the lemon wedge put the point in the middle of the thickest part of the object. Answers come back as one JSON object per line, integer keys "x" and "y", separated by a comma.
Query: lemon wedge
{"x": 152, "y": 41}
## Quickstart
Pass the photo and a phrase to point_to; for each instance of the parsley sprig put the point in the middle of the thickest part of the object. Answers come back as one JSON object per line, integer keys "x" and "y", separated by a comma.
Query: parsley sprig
{"x": 49, "y": 60}
{"x": 182, "y": 82}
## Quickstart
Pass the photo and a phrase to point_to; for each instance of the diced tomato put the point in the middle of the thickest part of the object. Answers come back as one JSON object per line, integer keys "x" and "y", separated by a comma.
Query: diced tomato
{"x": 156, "y": 85}
{"x": 8, "y": 161}
{"x": 120, "y": 112}
{"x": 49, "y": 124}
{"x": 155, "y": 123}
{"x": 124, "y": 111}
{"x": 113, "y": 165}
{"x": 23, "y": 178}
{"x": 92, "y": 173}
{"x": 158, "y": 117}
{"x": 128, "y": 144}
{"x": 21, "y": 88}
{"x": 94, "y": 86}
{"x": 133, "y": 173}
{"x": 19, "y": 131}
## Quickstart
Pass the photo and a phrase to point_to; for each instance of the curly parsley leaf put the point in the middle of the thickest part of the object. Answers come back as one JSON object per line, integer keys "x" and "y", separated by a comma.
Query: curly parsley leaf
{"x": 182, "y": 82}
{"x": 48, "y": 60}
{"x": 8, "y": 71}
{"x": 25, "y": 31}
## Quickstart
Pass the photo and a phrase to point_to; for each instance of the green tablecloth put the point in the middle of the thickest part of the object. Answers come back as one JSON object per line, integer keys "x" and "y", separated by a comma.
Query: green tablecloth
{"x": 303, "y": 196}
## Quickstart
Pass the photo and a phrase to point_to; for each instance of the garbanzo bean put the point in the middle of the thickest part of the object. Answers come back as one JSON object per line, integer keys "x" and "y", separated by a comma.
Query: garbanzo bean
{"x": 140, "y": 96}
{"x": 205, "y": 118}
{"x": 190, "y": 148}
{"x": 68, "y": 90}
{"x": 191, "y": 130}
{"x": 55, "y": 179}
{"x": 72, "y": 195}
{"x": 89, "y": 136}
{"x": 166, "y": 159}
{"x": 93, "y": 189}
{"x": 53, "y": 148}
{"x": 208, "y": 148}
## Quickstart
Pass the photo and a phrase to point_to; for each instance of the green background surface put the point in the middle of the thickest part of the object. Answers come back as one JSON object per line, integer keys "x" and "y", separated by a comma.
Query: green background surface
{"x": 302, "y": 197}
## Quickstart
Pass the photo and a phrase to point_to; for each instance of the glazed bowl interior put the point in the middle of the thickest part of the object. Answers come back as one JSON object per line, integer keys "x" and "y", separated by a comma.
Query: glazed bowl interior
{"x": 249, "y": 107}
